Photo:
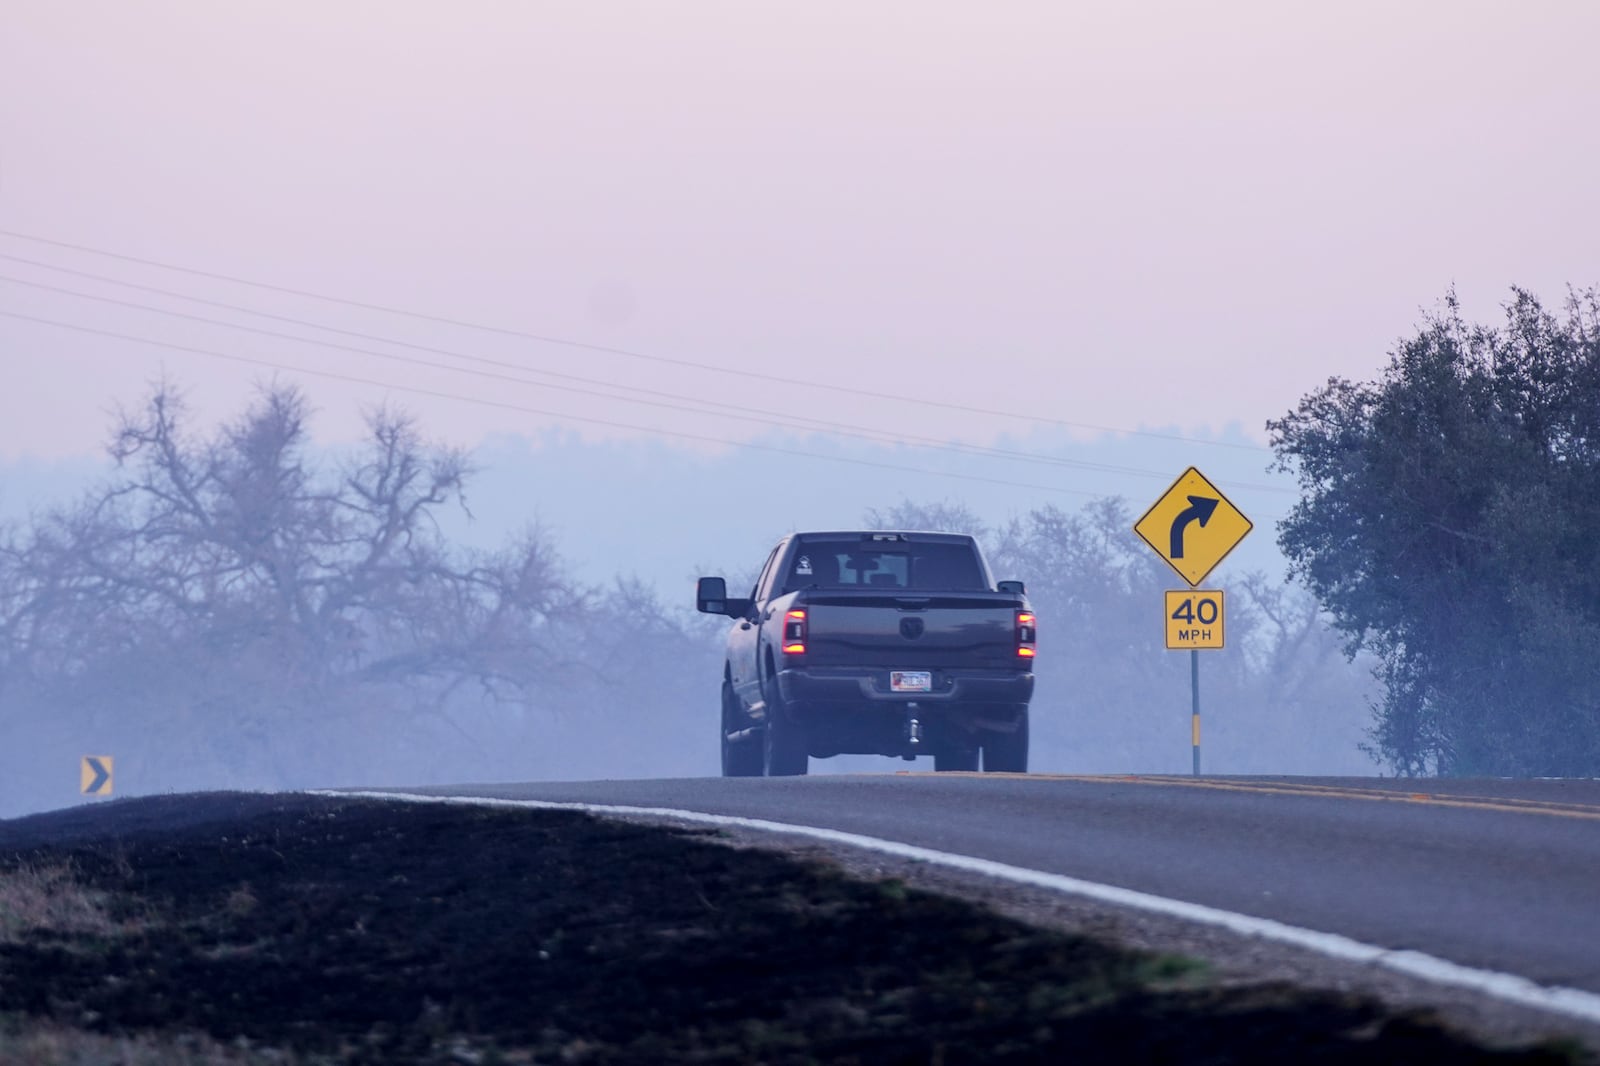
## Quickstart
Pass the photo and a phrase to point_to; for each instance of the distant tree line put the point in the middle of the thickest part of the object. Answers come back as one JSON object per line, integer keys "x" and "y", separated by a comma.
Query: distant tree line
{"x": 237, "y": 600}
{"x": 1450, "y": 524}
{"x": 236, "y": 608}
{"x": 1281, "y": 697}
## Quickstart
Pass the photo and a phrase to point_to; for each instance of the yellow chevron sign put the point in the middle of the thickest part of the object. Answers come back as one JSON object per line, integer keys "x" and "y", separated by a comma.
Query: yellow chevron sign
{"x": 95, "y": 775}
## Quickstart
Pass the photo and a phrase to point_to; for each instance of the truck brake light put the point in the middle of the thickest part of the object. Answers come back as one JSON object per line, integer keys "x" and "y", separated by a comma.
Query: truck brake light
{"x": 794, "y": 633}
{"x": 1027, "y": 634}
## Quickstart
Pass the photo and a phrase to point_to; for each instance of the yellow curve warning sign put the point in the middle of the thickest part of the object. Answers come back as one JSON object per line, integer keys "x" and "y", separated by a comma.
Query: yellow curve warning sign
{"x": 1192, "y": 526}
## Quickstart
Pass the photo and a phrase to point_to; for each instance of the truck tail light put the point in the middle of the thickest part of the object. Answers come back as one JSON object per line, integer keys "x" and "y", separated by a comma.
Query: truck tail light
{"x": 1027, "y": 634}
{"x": 794, "y": 633}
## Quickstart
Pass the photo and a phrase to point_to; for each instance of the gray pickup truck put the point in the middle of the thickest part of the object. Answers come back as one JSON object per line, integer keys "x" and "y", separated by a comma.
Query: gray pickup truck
{"x": 875, "y": 642}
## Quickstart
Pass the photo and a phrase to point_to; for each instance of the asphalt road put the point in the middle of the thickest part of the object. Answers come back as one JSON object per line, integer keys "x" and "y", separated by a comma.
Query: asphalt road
{"x": 1498, "y": 875}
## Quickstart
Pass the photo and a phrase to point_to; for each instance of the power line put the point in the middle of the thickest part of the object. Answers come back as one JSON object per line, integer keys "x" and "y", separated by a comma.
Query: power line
{"x": 503, "y": 405}
{"x": 610, "y": 350}
{"x": 775, "y": 419}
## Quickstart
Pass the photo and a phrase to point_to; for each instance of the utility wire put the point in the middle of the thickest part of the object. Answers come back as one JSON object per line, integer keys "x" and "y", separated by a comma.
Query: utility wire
{"x": 504, "y": 406}
{"x": 775, "y": 418}
{"x": 609, "y": 350}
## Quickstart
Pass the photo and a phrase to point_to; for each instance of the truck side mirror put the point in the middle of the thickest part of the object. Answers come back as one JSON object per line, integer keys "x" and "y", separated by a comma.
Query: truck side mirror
{"x": 1013, "y": 587}
{"x": 711, "y": 596}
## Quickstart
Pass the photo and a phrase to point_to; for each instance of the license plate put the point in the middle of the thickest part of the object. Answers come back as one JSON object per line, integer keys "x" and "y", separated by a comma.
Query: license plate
{"x": 910, "y": 681}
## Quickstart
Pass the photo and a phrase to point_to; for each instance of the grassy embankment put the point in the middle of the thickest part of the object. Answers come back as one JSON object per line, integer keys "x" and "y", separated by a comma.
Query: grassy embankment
{"x": 305, "y": 930}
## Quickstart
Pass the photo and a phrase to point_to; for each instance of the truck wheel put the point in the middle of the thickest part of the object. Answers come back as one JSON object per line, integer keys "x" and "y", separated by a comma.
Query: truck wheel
{"x": 742, "y": 757}
{"x": 956, "y": 759}
{"x": 1007, "y": 753}
{"x": 784, "y": 742}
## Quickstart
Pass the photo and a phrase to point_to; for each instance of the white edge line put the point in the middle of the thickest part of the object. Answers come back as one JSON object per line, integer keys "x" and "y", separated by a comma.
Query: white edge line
{"x": 1573, "y": 1002}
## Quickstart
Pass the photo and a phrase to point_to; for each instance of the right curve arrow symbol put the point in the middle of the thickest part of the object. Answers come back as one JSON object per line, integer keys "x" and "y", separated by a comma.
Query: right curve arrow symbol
{"x": 1200, "y": 509}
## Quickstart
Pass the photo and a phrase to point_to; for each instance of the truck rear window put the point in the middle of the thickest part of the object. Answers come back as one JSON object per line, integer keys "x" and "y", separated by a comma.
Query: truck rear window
{"x": 952, "y": 567}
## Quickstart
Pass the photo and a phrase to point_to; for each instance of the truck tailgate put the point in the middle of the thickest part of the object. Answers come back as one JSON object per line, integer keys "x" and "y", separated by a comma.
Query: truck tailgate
{"x": 926, "y": 632}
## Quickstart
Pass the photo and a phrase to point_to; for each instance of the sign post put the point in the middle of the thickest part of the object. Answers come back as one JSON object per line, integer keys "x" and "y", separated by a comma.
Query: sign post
{"x": 1193, "y": 526}
{"x": 1194, "y": 711}
{"x": 1194, "y": 621}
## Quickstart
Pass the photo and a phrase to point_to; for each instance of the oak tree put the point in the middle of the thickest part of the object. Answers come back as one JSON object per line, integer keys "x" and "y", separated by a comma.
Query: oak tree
{"x": 1449, "y": 522}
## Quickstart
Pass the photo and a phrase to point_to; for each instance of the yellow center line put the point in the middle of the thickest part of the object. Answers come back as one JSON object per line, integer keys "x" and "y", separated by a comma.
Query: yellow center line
{"x": 1583, "y": 811}
{"x": 1517, "y": 806}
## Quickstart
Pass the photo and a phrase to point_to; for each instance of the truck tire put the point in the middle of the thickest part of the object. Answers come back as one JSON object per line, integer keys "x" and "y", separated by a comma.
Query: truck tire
{"x": 1007, "y": 753}
{"x": 960, "y": 760}
{"x": 784, "y": 748}
{"x": 742, "y": 757}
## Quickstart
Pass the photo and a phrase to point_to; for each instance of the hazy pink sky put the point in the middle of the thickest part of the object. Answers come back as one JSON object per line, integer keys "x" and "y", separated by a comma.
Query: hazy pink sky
{"x": 1124, "y": 214}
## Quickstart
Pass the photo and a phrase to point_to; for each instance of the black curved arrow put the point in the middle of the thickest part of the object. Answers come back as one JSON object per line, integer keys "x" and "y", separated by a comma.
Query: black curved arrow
{"x": 1200, "y": 510}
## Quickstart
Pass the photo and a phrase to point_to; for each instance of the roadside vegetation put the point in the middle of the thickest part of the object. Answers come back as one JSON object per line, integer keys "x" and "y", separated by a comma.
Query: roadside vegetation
{"x": 49, "y": 897}
{"x": 295, "y": 929}
{"x": 1448, "y": 522}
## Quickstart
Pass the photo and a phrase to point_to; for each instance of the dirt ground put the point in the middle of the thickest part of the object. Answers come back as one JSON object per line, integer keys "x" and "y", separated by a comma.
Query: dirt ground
{"x": 296, "y": 929}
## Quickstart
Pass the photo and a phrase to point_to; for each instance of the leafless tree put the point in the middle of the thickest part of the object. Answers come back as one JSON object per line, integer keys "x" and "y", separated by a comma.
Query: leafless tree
{"x": 227, "y": 590}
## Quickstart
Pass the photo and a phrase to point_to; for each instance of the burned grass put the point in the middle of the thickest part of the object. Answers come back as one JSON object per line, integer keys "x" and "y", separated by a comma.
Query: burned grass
{"x": 311, "y": 929}
{"x": 48, "y": 897}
